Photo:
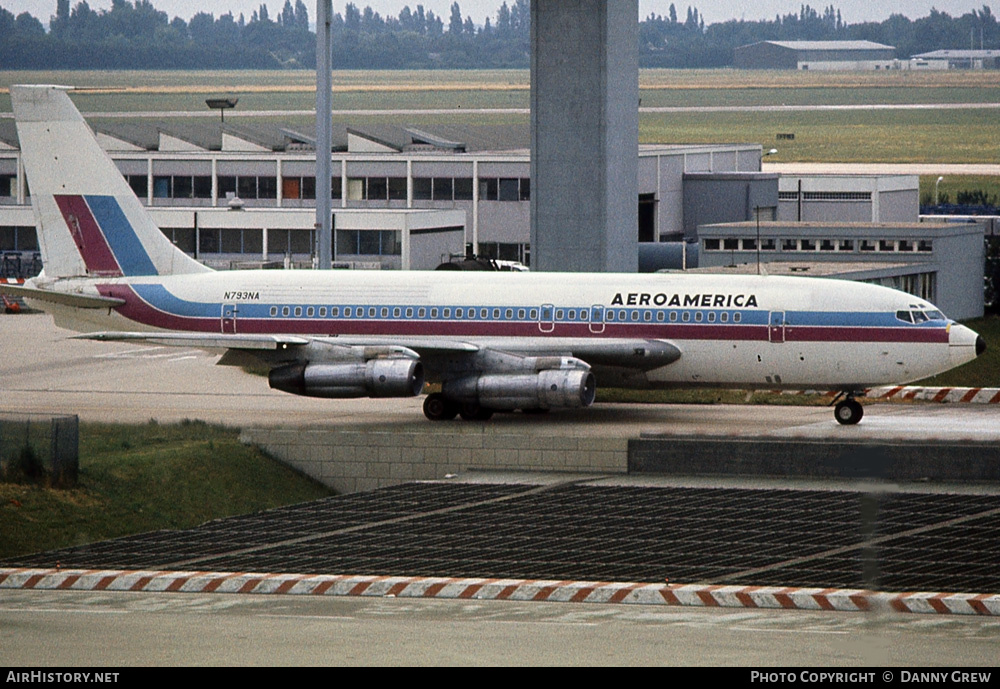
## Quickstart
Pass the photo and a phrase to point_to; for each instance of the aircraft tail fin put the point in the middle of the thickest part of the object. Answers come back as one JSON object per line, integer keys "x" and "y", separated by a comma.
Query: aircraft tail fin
{"x": 89, "y": 221}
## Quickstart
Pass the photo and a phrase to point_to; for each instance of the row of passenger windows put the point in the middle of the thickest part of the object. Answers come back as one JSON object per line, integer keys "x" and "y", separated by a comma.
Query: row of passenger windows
{"x": 863, "y": 245}
{"x": 508, "y": 314}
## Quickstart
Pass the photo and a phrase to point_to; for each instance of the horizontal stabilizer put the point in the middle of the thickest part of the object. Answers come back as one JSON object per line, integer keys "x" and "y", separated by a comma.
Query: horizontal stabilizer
{"x": 74, "y": 299}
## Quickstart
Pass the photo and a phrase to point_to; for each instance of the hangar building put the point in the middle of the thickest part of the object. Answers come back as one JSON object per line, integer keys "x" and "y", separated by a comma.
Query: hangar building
{"x": 815, "y": 55}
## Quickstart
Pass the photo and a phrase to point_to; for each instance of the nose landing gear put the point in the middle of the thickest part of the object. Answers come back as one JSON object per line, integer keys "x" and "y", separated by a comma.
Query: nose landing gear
{"x": 848, "y": 411}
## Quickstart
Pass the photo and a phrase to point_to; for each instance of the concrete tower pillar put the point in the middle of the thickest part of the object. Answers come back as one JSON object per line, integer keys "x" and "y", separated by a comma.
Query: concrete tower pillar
{"x": 584, "y": 135}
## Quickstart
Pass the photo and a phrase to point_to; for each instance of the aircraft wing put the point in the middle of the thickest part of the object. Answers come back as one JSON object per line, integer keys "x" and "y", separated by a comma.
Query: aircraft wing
{"x": 634, "y": 353}
{"x": 201, "y": 340}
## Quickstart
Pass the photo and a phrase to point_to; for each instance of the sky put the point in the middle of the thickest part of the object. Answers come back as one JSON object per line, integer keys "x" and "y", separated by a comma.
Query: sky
{"x": 852, "y": 11}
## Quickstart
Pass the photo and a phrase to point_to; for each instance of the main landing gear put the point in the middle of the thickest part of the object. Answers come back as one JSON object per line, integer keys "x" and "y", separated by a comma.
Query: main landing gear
{"x": 437, "y": 407}
{"x": 848, "y": 411}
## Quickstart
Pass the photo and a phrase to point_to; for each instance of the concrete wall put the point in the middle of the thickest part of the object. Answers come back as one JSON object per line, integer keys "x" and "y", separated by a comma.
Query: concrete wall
{"x": 726, "y": 197}
{"x": 801, "y": 458}
{"x": 584, "y": 135}
{"x": 366, "y": 458}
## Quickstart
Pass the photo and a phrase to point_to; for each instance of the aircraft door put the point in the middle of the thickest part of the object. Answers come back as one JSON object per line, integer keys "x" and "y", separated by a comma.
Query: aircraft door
{"x": 546, "y": 318}
{"x": 597, "y": 318}
{"x": 229, "y": 318}
{"x": 776, "y": 327}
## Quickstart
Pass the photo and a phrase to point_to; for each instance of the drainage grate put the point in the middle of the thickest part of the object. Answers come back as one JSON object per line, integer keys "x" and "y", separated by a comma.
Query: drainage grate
{"x": 947, "y": 543}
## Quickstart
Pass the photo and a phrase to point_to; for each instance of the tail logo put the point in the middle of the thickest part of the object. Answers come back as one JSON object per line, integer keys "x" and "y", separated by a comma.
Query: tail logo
{"x": 103, "y": 235}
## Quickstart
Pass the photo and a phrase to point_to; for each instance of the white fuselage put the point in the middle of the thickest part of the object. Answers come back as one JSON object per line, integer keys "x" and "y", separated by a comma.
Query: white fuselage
{"x": 731, "y": 330}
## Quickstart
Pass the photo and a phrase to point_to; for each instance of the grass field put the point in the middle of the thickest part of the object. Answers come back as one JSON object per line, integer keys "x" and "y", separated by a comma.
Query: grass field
{"x": 142, "y": 478}
{"x": 923, "y": 135}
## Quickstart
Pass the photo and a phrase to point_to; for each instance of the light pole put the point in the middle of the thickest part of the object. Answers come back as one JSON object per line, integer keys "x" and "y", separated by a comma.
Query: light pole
{"x": 324, "y": 134}
{"x": 939, "y": 179}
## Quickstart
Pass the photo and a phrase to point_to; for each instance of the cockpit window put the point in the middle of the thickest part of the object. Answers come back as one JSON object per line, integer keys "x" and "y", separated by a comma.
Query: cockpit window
{"x": 920, "y": 316}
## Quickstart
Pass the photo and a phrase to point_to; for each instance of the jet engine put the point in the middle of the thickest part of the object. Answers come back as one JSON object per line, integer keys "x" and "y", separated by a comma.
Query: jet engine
{"x": 387, "y": 377}
{"x": 570, "y": 385}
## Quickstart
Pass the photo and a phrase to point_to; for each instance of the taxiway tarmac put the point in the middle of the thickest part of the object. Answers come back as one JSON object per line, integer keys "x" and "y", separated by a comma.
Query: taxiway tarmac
{"x": 44, "y": 370}
{"x": 141, "y": 629}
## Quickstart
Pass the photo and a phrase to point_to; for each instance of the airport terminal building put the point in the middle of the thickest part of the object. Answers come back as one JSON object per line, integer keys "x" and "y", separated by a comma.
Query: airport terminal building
{"x": 234, "y": 195}
{"x": 939, "y": 262}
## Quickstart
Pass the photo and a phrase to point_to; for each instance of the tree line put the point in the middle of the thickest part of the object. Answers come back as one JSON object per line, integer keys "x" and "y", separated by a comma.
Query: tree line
{"x": 136, "y": 35}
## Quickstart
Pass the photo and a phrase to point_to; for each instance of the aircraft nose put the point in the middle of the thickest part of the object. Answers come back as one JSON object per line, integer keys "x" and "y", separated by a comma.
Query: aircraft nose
{"x": 980, "y": 345}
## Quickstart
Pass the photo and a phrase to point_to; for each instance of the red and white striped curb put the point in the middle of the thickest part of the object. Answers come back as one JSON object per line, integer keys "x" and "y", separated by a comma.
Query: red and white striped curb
{"x": 11, "y": 281}
{"x": 915, "y": 392}
{"x": 936, "y": 394}
{"x": 846, "y": 600}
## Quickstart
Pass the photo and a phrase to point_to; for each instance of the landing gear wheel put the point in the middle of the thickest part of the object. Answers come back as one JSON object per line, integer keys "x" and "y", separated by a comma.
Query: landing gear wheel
{"x": 848, "y": 412}
{"x": 437, "y": 407}
{"x": 471, "y": 411}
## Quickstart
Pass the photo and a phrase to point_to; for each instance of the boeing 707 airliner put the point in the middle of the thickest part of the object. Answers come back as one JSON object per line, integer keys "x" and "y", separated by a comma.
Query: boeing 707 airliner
{"x": 494, "y": 341}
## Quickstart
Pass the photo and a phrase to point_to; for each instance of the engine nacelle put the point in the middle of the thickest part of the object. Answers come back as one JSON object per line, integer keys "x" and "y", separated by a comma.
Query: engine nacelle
{"x": 549, "y": 389}
{"x": 392, "y": 377}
